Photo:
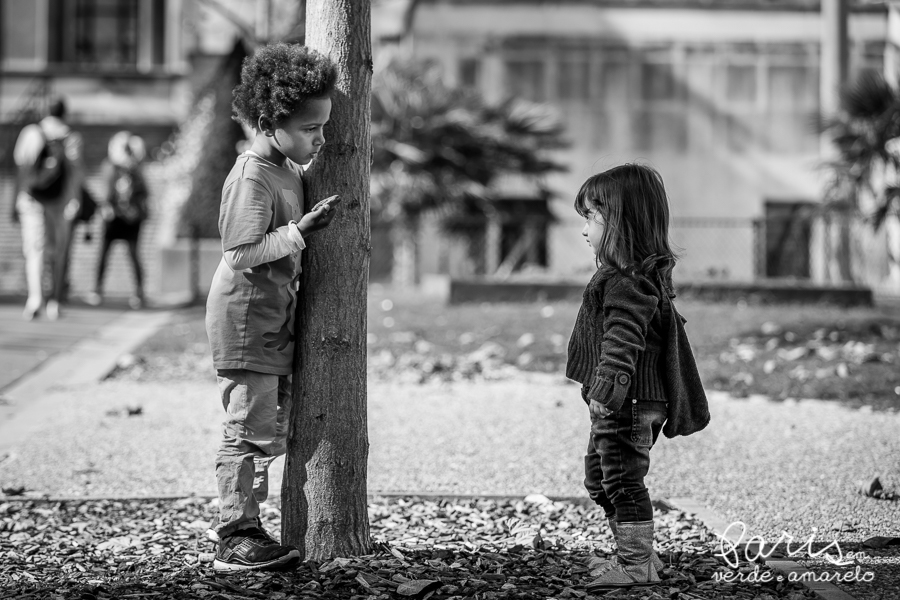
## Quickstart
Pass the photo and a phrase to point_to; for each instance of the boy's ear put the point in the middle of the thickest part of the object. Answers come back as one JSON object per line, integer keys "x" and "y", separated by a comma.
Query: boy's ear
{"x": 265, "y": 125}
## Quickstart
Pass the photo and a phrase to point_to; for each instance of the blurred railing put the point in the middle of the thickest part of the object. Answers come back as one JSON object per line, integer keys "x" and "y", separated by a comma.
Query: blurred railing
{"x": 805, "y": 248}
{"x": 809, "y": 248}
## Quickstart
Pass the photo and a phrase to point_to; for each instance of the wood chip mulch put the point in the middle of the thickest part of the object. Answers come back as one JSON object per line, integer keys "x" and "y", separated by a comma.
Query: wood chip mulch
{"x": 441, "y": 549}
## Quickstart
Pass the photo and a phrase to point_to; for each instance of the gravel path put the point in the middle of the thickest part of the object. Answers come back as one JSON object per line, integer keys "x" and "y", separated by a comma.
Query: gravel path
{"x": 790, "y": 466}
{"x": 774, "y": 466}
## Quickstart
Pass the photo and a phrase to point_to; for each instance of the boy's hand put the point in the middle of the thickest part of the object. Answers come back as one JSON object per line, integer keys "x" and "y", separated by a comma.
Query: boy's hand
{"x": 319, "y": 217}
{"x": 598, "y": 411}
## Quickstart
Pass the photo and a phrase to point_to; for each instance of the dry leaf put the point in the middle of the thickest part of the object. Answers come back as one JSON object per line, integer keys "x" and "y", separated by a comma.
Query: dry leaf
{"x": 417, "y": 586}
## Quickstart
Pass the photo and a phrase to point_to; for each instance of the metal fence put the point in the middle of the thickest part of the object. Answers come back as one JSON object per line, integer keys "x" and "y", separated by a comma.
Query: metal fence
{"x": 819, "y": 248}
{"x": 805, "y": 248}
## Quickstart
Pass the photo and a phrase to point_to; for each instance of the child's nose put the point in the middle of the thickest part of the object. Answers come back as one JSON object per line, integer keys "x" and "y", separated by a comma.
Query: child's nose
{"x": 584, "y": 230}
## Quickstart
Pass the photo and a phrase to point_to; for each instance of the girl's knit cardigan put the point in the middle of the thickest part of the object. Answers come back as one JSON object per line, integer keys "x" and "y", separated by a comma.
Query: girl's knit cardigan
{"x": 616, "y": 344}
{"x": 629, "y": 342}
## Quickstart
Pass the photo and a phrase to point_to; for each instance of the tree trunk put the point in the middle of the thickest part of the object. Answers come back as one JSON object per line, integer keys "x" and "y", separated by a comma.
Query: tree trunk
{"x": 324, "y": 493}
{"x": 840, "y": 269}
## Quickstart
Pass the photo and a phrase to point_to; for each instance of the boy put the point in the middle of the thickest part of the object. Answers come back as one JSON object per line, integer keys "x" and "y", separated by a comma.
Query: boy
{"x": 284, "y": 96}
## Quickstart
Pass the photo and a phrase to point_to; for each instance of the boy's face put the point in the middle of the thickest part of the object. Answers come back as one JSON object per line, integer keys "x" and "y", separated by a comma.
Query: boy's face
{"x": 300, "y": 138}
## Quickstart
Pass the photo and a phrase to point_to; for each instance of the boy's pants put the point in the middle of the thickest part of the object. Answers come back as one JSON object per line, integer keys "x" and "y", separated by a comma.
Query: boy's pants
{"x": 618, "y": 459}
{"x": 255, "y": 433}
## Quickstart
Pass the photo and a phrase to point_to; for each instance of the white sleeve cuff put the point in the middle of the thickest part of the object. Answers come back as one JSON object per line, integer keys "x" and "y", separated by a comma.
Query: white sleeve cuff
{"x": 295, "y": 236}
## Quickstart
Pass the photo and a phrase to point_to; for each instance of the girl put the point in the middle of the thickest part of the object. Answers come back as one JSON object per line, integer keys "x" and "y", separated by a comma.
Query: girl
{"x": 615, "y": 353}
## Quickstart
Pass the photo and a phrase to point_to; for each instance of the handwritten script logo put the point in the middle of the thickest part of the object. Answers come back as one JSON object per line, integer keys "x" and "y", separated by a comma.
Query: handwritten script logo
{"x": 756, "y": 548}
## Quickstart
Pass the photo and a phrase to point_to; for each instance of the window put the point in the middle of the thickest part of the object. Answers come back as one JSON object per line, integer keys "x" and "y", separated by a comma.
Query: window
{"x": 662, "y": 122}
{"x": 792, "y": 108}
{"x": 658, "y": 82}
{"x": 792, "y": 87}
{"x": 469, "y": 72}
{"x": 740, "y": 83}
{"x": 525, "y": 78}
{"x": 574, "y": 79}
{"x": 615, "y": 88}
{"x": 17, "y": 43}
{"x": 788, "y": 235}
{"x": 107, "y": 35}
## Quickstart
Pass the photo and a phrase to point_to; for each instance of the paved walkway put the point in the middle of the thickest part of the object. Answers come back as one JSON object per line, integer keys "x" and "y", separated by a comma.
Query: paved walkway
{"x": 24, "y": 345}
{"x": 40, "y": 357}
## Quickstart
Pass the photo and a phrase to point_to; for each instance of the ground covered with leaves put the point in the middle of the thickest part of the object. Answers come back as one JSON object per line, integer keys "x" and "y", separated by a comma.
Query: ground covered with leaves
{"x": 780, "y": 351}
{"x": 441, "y": 549}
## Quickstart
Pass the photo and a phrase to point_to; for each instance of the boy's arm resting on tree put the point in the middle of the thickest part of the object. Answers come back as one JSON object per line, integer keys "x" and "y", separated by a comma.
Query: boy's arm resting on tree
{"x": 628, "y": 307}
{"x": 282, "y": 242}
{"x": 318, "y": 217}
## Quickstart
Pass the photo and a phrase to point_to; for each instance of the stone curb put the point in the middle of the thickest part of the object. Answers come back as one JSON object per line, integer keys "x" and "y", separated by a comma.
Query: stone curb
{"x": 661, "y": 504}
{"x": 717, "y": 523}
{"x": 89, "y": 360}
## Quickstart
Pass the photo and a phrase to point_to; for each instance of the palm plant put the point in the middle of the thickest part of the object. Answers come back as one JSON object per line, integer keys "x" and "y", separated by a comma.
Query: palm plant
{"x": 865, "y": 135}
{"x": 436, "y": 147}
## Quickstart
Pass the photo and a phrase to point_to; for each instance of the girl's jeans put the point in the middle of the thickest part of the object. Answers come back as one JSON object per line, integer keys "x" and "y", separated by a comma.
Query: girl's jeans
{"x": 255, "y": 433}
{"x": 618, "y": 458}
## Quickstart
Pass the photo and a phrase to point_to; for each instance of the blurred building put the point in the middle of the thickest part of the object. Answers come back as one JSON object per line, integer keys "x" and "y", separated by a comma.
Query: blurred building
{"x": 722, "y": 97}
{"x": 120, "y": 64}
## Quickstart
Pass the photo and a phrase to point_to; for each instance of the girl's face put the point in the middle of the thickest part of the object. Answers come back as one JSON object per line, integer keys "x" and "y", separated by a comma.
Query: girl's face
{"x": 593, "y": 228}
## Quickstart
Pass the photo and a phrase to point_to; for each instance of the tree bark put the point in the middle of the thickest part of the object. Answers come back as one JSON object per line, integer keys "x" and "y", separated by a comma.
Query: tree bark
{"x": 843, "y": 269}
{"x": 324, "y": 493}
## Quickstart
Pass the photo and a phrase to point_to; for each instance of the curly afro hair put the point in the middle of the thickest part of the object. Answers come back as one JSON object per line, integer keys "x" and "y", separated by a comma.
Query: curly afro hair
{"x": 277, "y": 80}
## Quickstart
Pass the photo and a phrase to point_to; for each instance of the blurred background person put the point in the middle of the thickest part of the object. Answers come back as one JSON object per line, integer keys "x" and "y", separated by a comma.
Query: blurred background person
{"x": 123, "y": 208}
{"x": 49, "y": 174}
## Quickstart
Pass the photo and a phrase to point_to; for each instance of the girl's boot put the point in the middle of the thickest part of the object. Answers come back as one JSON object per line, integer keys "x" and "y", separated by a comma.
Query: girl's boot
{"x": 599, "y": 565}
{"x": 635, "y": 565}
{"x": 658, "y": 564}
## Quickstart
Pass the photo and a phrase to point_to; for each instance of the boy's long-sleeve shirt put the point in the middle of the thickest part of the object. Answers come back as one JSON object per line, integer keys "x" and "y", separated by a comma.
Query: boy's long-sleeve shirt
{"x": 276, "y": 244}
{"x": 252, "y": 298}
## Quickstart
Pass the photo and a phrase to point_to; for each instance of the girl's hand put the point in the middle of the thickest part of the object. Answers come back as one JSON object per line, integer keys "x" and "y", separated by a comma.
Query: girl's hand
{"x": 598, "y": 411}
{"x": 319, "y": 217}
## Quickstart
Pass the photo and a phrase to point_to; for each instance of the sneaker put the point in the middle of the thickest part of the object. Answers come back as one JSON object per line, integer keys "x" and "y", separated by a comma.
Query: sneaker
{"x": 253, "y": 550}
{"x": 31, "y": 311}
{"x": 94, "y": 299}
{"x": 213, "y": 536}
{"x": 52, "y": 310}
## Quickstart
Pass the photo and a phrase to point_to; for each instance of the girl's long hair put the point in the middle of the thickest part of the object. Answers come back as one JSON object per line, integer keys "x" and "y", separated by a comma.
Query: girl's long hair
{"x": 633, "y": 203}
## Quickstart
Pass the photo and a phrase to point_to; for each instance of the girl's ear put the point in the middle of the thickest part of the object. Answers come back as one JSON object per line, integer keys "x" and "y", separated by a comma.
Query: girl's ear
{"x": 265, "y": 125}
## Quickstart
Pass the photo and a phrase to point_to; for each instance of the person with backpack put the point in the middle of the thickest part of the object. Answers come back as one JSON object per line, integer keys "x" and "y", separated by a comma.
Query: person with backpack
{"x": 49, "y": 178}
{"x": 123, "y": 208}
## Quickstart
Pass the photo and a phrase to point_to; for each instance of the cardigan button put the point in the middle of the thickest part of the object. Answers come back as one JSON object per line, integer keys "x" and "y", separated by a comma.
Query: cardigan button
{"x": 623, "y": 379}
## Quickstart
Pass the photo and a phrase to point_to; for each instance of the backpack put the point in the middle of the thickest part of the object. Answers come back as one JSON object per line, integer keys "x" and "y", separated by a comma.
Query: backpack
{"x": 45, "y": 178}
{"x": 128, "y": 195}
{"x": 688, "y": 408}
